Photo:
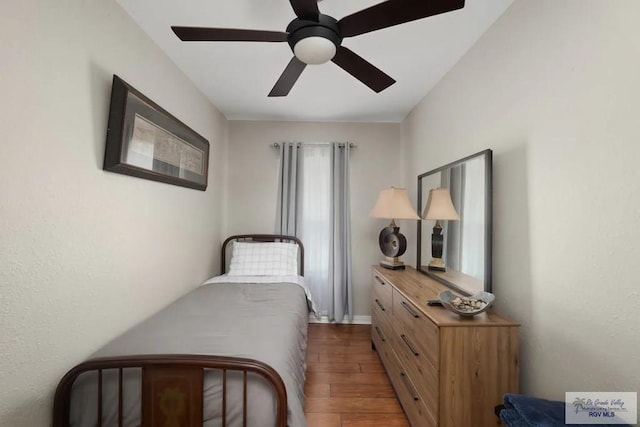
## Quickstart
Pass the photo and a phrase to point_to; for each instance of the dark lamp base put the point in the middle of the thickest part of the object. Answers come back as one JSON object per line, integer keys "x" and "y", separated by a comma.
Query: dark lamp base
{"x": 393, "y": 244}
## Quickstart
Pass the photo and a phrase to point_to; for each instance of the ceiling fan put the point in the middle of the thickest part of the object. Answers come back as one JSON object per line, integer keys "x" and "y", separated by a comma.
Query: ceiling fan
{"x": 316, "y": 38}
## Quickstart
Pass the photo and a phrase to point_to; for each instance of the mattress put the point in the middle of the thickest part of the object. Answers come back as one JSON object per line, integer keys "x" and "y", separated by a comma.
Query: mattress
{"x": 263, "y": 321}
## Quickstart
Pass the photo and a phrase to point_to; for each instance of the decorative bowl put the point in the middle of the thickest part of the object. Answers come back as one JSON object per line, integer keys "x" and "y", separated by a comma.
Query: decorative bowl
{"x": 466, "y": 306}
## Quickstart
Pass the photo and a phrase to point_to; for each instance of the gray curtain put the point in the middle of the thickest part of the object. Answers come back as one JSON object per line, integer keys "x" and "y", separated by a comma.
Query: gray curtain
{"x": 288, "y": 189}
{"x": 340, "y": 268}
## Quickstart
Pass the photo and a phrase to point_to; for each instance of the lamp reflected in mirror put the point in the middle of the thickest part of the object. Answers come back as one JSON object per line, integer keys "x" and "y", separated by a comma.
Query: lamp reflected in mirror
{"x": 393, "y": 203}
{"x": 439, "y": 207}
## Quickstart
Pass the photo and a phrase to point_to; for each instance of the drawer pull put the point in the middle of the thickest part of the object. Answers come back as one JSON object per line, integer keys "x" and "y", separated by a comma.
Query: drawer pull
{"x": 380, "y": 334}
{"x": 405, "y": 380}
{"x": 409, "y": 309}
{"x": 406, "y": 341}
{"x": 380, "y": 281}
{"x": 380, "y": 305}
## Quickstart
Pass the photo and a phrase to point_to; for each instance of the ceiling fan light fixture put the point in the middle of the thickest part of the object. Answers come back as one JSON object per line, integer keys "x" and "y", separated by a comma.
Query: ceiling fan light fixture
{"x": 314, "y": 42}
{"x": 314, "y": 50}
{"x": 316, "y": 38}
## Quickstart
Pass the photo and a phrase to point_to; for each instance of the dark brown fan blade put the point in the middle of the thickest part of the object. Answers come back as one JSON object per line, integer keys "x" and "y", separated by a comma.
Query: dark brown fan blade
{"x": 288, "y": 78}
{"x": 394, "y": 12}
{"x": 305, "y": 9}
{"x": 362, "y": 70}
{"x": 193, "y": 34}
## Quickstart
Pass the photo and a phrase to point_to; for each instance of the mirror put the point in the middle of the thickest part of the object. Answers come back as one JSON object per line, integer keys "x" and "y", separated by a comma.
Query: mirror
{"x": 465, "y": 244}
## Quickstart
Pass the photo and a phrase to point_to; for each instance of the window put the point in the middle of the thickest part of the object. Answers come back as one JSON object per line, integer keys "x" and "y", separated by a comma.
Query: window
{"x": 313, "y": 204}
{"x": 315, "y": 219}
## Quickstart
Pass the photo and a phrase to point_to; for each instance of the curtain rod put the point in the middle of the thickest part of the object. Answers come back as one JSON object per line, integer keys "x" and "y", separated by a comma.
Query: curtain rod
{"x": 341, "y": 144}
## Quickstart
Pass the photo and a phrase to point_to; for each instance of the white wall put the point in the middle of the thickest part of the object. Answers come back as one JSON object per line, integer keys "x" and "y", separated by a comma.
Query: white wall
{"x": 253, "y": 178}
{"x": 553, "y": 89}
{"x": 85, "y": 254}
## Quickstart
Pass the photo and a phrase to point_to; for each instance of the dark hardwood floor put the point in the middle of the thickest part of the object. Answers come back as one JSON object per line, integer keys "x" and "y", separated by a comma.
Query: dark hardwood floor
{"x": 346, "y": 383}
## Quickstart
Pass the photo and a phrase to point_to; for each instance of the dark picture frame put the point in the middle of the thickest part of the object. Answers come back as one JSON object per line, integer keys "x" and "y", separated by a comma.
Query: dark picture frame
{"x": 146, "y": 141}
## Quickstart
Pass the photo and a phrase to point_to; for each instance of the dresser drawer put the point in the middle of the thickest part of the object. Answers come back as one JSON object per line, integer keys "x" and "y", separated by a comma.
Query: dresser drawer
{"x": 417, "y": 325}
{"x": 380, "y": 307}
{"x": 381, "y": 331}
{"x": 382, "y": 341}
{"x": 417, "y": 365}
{"x": 412, "y": 403}
{"x": 381, "y": 319}
{"x": 382, "y": 295}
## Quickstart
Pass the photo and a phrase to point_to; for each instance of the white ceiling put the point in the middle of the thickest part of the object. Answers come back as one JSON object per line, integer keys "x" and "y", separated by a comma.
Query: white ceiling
{"x": 237, "y": 76}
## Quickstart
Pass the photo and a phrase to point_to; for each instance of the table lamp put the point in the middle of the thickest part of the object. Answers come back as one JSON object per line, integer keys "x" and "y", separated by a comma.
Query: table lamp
{"x": 439, "y": 207}
{"x": 393, "y": 203}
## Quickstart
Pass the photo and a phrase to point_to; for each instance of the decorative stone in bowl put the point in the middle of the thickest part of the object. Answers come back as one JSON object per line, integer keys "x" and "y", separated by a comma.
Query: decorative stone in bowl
{"x": 466, "y": 306}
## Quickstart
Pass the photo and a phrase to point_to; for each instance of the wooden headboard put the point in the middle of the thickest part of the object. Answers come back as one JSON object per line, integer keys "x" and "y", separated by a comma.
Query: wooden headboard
{"x": 263, "y": 238}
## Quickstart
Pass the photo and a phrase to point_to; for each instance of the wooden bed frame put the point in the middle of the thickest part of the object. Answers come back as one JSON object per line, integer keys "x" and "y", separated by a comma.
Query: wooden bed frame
{"x": 172, "y": 384}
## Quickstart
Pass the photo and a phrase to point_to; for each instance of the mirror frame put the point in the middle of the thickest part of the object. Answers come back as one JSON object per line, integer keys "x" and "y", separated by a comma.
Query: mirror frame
{"x": 488, "y": 212}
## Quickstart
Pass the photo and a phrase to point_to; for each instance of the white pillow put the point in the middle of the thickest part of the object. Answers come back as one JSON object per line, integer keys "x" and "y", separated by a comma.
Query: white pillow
{"x": 264, "y": 259}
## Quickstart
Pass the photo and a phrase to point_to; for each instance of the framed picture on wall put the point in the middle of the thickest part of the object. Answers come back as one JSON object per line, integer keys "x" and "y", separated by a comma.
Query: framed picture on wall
{"x": 146, "y": 141}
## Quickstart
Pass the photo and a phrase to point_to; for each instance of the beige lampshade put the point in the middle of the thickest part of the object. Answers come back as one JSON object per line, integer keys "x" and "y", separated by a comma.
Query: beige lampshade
{"x": 393, "y": 203}
{"x": 440, "y": 206}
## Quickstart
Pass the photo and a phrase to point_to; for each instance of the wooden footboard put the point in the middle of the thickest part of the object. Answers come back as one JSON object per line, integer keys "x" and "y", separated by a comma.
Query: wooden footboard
{"x": 172, "y": 387}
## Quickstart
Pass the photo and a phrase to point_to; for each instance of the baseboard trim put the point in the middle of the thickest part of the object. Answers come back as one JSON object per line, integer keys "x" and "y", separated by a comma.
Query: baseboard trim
{"x": 357, "y": 320}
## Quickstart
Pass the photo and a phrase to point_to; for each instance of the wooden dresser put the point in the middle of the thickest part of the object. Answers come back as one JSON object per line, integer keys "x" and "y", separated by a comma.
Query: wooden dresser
{"x": 447, "y": 371}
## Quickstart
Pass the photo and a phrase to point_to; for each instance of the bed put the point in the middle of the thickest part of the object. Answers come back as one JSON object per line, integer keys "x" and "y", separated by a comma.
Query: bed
{"x": 229, "y": 353}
